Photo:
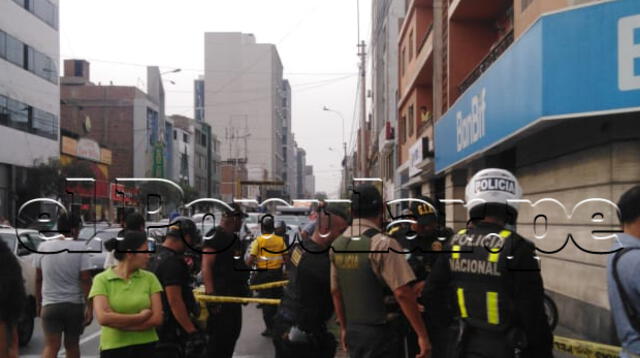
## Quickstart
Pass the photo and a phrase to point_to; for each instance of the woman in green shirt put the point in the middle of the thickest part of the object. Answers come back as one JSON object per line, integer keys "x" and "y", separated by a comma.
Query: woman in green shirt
{"x": 127, "y": 301}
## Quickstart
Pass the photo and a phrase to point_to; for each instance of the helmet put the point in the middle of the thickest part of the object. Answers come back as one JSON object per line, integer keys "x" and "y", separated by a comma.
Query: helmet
{"x": 181, "y": 226}
{"x": 492, "y": 187}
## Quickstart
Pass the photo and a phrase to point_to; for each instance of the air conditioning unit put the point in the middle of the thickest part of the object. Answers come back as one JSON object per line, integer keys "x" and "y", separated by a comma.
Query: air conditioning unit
{"x": 389, "y": 131}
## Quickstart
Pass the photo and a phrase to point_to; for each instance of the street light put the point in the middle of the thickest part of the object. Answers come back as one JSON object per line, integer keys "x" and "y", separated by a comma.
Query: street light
{"x": 344, "y": 143}
{"x": 172, "y": 71}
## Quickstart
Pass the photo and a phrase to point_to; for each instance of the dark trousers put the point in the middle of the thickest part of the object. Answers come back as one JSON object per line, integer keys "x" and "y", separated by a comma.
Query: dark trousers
{"x": 223, "y": 327}
{"x": 137, "y": 351}
{"x": 269, "y": 311}
{"x": 373, "y": 341}
{"x": 323, "y": 343}
{"x": 438, "y": 336}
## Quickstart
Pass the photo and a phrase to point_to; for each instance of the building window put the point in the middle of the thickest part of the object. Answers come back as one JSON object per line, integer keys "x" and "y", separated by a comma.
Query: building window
{"x": 411, "y": 46}
{"x": 410, "y": 122}
{"x": 42, "y": 9}
{"x": 21, "y": 116}
{"x": 175, "y": 134}
{"x": 402, "y": 59}
{"x": 28, "y": 58}
{"x": 3, "y": 45}
{"x": 402, "y": 129}
{"x": 204, "y": 140}
{"x": 77, "y": 68}
{"x": 185, "y": 137}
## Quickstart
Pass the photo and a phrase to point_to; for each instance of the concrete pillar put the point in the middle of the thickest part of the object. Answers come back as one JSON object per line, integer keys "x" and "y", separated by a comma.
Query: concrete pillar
{"x": 456, "y": 214}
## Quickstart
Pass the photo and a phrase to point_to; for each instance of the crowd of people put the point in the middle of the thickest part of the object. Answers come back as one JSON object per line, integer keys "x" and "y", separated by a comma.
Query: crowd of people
{"x": 416, "y": 290}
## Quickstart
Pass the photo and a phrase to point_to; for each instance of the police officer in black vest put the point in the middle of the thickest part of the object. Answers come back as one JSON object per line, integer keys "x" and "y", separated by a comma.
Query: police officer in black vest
{"x": 225, "y": 273}
{"x": 423, "y": 242}
{"x": 494, "y": 277}
{"x": 300, "y": 324}
{"x": 178, "y": 335}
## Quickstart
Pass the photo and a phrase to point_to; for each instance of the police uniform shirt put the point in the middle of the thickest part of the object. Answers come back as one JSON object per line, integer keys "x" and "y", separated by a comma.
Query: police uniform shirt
{"x": 522, "y": 278}
{"x": 310, "y": 306}
{"x": 390, "y": 267}
{"x": 230, "y": 273}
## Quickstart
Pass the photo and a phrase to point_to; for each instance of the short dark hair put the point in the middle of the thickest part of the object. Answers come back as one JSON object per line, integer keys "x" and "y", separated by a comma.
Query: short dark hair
{"x": 131, "y": 242}
{"x": 629, "y": 205}
{"x": 134, "y": 221}
{"x": 68, "y": 222}
{"x": 366, "y": 201}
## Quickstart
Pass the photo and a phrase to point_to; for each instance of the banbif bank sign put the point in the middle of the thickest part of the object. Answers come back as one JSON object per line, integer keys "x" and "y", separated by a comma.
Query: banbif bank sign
{"x": 577, "y": 62}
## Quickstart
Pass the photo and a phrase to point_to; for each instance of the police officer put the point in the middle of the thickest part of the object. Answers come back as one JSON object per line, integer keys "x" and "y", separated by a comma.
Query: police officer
{"x": 423, "y": 243}
{"x": 300, "y": 328}
{"x": 178, "y": 335}
{"x": 362, "y": 268}
{"x": 494, "y": 277}
{"x": 225, "y": 273}
{"x": 268, "y": 254}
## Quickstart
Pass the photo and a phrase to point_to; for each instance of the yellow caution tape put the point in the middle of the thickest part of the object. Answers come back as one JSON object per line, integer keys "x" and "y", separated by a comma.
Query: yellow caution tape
{"x": 265, "y": 286}
{"x": 585, "y": 349}
{"x": 231, "y": 299}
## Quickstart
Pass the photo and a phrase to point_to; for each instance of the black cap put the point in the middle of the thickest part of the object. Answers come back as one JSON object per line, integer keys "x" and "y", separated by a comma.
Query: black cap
{"x": 236, "y": 210}
{"x": 425, "y": 214}
{"x": 181, "y": 226}
{"x": 366, "y": 201}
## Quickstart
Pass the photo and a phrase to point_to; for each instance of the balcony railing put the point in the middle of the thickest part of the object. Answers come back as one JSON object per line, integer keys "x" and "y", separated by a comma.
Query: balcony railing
{"x": 487, "y": 61}
{"x": 424, "y": 39}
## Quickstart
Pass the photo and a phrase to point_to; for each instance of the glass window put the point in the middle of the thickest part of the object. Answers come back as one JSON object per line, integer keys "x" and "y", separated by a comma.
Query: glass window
{"x": 29, "y": 58}
{"x": 3, "y": 45}
{"x": 175, "y": 134}
{"x": 15, "y": 51}
{"x": 4, "y": 111}
{"x": 185, "y": 138}
{"x": 19, "y": 116}
{"x": 46, "y": 11}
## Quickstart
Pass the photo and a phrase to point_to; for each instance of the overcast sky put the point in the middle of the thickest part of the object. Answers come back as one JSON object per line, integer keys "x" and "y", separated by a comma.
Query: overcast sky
{"x": 316, "y": 41}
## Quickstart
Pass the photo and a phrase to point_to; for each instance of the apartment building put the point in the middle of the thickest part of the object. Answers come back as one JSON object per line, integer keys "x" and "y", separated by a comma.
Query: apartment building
{"x": 548, "y": 89}
{"x": 29, "y": 92}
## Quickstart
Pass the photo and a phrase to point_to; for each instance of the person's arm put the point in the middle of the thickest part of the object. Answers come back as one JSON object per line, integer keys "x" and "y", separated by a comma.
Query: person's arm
{"x": 106, "y": 316}
{"x": 38, "y": 291}
{"x": 178, "y": 308}
{"x": 397, "y": 274}
{"x": 336, "y": 297}
{"x": 85, "y": 284}
{"x": 156, "y": 315}
{"x": 254, "y": 249}
{"x": 208, "y": 260}
{"x": 529, "y": 299}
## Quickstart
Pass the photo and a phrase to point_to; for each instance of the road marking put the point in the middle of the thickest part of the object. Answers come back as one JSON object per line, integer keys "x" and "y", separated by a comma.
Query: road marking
{"x": 90, "y": 337}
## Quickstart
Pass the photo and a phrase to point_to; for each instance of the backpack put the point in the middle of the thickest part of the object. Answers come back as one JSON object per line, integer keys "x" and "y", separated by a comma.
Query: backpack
{"x": 632, "y": 314}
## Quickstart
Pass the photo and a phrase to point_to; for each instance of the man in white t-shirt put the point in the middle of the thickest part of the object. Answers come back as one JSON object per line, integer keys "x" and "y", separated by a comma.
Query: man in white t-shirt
{"x": 63, "y": 281}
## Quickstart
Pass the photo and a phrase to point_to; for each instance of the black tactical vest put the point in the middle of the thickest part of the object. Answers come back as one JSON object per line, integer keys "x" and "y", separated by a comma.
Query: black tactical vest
{"x": 479, "y": 261}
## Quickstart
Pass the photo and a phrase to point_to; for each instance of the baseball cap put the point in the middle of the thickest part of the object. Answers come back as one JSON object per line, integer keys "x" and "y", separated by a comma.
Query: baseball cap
{"x": 339, "y": 209}
{"x": 425, "y": 214}
{"x": 366, "y": 200}
{"x": 236, "y": 210}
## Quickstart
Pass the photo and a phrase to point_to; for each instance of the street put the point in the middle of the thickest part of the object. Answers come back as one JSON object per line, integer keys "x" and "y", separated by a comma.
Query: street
{"x": 250, "y": 345}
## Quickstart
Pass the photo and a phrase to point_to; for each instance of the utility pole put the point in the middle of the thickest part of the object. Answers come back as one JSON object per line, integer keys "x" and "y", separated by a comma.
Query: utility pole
{"x": 362, "y": 151}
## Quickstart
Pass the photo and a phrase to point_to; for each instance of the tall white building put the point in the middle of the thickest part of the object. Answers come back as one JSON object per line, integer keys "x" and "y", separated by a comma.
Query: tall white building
{"x": 243, "y": 101}
{"x": 29, "y": 92}
{"x": 386, "y": 19}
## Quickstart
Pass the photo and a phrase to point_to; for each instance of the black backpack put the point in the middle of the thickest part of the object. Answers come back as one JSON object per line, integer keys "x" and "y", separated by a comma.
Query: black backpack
{"x": 632, "y": 314}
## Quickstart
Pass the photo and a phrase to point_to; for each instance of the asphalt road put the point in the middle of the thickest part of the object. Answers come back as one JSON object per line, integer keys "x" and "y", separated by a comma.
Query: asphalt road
{"x": 250, "y": 345}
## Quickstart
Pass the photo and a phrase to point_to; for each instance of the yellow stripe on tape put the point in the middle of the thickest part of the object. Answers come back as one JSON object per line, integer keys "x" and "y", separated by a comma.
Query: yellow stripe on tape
{"x": 265, "y": 286}
{"x": 230, "y": 299}
{"x": 585, "y": 349}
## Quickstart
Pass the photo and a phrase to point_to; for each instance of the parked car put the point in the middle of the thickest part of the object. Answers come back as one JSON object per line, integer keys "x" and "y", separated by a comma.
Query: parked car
{"x": 23, "y": 243}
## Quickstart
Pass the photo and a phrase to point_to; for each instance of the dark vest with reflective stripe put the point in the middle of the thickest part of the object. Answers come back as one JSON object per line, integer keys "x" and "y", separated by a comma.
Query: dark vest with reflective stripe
{"x": 362, "y": 291}
{"x": 482, "y": 284}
